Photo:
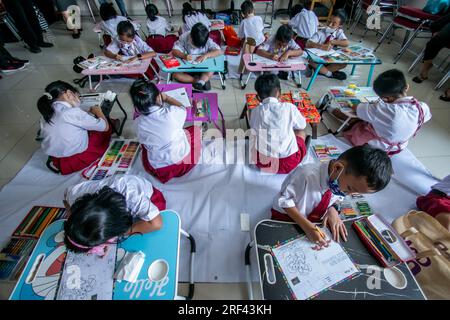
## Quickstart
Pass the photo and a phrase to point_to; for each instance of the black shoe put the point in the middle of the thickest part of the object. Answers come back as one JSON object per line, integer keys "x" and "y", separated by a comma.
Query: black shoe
{"x": 35, "y": 49}
{"x": 283, "y": 75}
{"x": 197, "y": 86}
{"x": 24, "y": 61}
{"x": 76, "y": 35}
{"x": 44, "y": 44}
{"x": 207, "y": 86}
{"x": 13, "y": 66}
{"x": 339, "y": 75}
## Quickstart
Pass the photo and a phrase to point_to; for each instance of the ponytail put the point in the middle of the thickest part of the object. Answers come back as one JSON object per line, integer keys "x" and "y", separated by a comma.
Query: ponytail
{"x": 144, "y": 94}
{"x": 152, "y": 11}
{"x": 52, "y": 92}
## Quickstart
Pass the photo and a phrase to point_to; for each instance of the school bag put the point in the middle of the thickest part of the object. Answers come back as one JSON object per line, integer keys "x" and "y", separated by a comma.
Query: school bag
{"x": 430, "y": 241}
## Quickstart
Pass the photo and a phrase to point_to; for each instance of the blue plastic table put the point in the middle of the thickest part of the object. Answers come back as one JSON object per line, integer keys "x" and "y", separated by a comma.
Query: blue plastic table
{"x": 216, "y": 64}
{"x": 321, "y": 62}
{"x": 47, "y": 262}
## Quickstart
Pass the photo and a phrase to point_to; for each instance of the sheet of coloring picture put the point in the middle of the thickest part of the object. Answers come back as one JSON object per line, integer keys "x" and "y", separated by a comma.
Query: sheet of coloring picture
{"x": 88, "y": 276}
{"x": 310, "y": 271}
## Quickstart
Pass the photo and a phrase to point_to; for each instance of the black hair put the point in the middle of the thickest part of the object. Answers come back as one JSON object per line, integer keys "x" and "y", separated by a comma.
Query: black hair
{"x": 188, "y": 10}
{"x": 144, "y": 94}
{"x": 391, "y": 83}
{"x": 126, "y": 28}
{"x": 247, "y": 7}
{"x": 152, "y": 11}
{"x": 199, "y": 35}
{"x": 369, "y": 162}
{"x": 341, "y": 15}
{"x": 267, "y": 85}
{"x": 107, "y": 11}
{"x": 55, "y": 89}
{"x": 284, "y": 33}
{"x": 295, "y": 10}
{"x": 95, "y": 218}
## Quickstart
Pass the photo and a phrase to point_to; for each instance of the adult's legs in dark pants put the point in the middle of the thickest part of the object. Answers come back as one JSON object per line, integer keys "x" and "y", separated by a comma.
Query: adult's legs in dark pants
{"x": 26, "y": 21}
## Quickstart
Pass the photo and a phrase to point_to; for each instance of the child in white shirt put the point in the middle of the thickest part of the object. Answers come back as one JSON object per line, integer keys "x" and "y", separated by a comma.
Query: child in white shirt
{"x": 389, "y": 123}
{"x": 196, "y": 42}
{"x": 101, "y": 212}
{"x": 110, "y": 22}
{"x": 156, "y": 25}
{"x": 168, "y": 151}
{"x": 304, "y": 22}
{"x": 191, "y": 17}
{"x": 72, "y": 138}
{"x": 279, "y": 129}
{"x": 309, "y": 192}
{"x": 326, "y": 39}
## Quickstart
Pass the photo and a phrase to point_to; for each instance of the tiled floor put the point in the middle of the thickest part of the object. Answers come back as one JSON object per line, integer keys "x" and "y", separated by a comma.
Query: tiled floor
{"x": 19, "y": 116}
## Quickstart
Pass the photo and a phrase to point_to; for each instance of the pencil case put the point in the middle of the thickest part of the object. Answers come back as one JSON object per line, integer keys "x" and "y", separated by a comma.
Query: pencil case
{"x": 384, "y": 243}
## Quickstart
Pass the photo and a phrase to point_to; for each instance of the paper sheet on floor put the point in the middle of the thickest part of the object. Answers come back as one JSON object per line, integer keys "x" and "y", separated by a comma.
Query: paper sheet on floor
{"x": 210, "y": 200}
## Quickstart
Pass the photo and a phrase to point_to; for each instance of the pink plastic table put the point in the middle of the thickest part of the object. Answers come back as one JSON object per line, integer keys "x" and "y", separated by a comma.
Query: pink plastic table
{"x": 134, "y": 69}
{"x": 258, "y": 67}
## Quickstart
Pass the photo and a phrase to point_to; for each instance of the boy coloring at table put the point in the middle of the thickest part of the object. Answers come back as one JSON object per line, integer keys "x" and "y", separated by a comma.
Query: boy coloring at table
{"x": 395, "y": 118}
{"x": 168, "y": 150}
{"x": 308, "y": 193}
{"x": 156, "y": 25}
{"x": 191, "y": 17}
{"x": 251, "y": 30}
{"x": 104, "y": 212}
{"x": 279, "y": 144}
{"x": 197, "y": 42}
{"x": 304, "y": 22}
{"x": 72, "y": 138}
{"x": 280, "y": 47}
{"x": 327, "y": 38}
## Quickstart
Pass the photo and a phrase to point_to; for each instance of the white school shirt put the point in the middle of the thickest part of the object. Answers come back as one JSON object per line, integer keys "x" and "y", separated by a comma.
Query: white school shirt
{"x": 395, "y": 122}
{"x": 305, "y": 23}
{"x": 193, "y": 19}
{"x": 321, "y": 35}
{"x": 184, "y": 44}
{"x": 274, "y": 123}
{"x": 252, "y": 27}
{"x": 136, "y": 190}
{"x": 110, "y": 26}
{"x": 161, "y": 132}
{"x": 269, "y": 46}
{"x": 159, "y": 26}
{"x": 137, "y": 46}
{"x": 304, "y": 187}
{"x": 443, "y": 185}
{"x": 67, "y": 134}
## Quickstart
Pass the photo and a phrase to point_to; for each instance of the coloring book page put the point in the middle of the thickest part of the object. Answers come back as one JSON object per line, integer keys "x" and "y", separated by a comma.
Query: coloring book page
{"x": 88, "y": 276}
{"x": 308, "y": 271}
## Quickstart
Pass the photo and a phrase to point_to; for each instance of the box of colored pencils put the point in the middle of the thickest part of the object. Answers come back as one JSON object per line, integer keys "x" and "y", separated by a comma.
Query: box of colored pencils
{"x": 117, "y": 160}
{"x": 383, "y": 241}
{"x": 37, "y": 220}
{"x": 14, "y": 256}
{"x": 326, "y": 152}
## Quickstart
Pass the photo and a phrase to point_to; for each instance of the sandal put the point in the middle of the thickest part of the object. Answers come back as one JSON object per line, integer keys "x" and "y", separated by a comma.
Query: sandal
{"x": 444, "y": 97}
{"x": 419, "y": 79}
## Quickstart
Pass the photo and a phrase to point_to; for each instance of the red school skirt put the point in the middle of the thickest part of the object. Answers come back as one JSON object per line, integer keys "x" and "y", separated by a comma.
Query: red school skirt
{"x": 97, "y": 145}
{"x": 434, "y": 202}
{"x": 285, "y": 165}
{"x": 179, "y": 169}
{"x": 158, "y": 199}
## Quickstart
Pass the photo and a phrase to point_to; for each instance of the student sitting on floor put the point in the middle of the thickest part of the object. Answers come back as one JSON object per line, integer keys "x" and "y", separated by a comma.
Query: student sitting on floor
{"x": 102, "y": 212}
{"x": 197, "y": 42}
{"x": 251, "y": 27}
{"x": 110, "y": 22}
{"x": 393, "y": 120}
{"x": 280, "y": 47}
{"x": 71, "y": 137}
{"x": 155, "y": 23}
{"x": 437, "y": 202}
{"x": 129, "y": 47}
{"x": 308, "y": 193}
{"x": 191, "y": 17}
{"x": 280, "y": 137}
{"x": 326, "y": 39}
{"x": 304, "y": 22}
{"x": 168, "y": 151}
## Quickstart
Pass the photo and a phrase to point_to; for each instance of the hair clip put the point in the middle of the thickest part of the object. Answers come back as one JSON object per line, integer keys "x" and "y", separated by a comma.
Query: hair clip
{"x": 48, "y": 95}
